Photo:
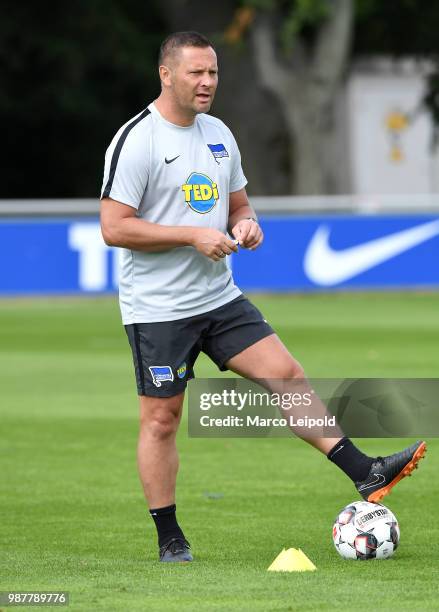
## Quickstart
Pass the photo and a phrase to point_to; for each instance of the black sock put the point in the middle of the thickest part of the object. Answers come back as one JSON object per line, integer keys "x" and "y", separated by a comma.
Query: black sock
{"x": 350, "y": 459}
{"x": 166, "y": 524}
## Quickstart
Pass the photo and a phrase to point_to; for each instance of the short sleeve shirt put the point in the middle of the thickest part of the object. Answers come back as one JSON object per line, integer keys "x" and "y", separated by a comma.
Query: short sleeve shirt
{"x": 173, "y": 175}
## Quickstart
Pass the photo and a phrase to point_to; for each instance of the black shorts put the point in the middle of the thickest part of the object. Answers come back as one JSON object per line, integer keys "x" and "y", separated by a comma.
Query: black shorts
{"x": 164, "y": 353}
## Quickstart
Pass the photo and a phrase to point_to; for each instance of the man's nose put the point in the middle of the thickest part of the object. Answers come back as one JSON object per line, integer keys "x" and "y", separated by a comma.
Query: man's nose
{"x": 208, "y": 80}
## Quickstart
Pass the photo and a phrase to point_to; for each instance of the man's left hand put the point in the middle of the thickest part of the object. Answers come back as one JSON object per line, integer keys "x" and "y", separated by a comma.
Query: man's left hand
{"x": 248, "y": 233}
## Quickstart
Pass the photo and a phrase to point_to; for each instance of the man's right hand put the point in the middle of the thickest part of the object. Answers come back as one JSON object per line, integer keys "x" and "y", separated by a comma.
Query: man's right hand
{"x": 212, "y": 243}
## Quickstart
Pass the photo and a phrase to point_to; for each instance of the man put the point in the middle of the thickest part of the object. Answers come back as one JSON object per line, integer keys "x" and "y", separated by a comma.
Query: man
{"x": 173, "y": 196}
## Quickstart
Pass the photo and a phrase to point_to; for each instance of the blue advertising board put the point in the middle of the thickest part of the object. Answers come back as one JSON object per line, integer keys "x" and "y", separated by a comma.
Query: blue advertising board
{"x": 305, "y": 253}
{"x": 325, "y": 252}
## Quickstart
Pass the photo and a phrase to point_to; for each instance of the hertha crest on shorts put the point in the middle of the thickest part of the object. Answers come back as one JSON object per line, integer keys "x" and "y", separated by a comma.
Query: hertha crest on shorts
{"x": 161, "y": 374}
{"x": 218, "y": 151}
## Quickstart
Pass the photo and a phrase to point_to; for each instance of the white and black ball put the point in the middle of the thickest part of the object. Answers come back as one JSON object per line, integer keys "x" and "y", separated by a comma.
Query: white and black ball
{"x": 364, "y": 531}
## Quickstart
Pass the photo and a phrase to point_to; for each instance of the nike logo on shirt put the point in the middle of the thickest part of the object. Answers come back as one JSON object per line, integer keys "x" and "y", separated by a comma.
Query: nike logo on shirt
{"x": 326, "y": 266}
{"x": 169, "y": 161}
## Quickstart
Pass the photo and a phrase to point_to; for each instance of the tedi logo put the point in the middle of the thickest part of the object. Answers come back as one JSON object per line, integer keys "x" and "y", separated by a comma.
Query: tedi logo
{"x": 200, "y": 192}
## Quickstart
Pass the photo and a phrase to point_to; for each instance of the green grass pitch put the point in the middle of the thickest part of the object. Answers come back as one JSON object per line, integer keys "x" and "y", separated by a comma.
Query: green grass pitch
{"x": 72, "y": 513}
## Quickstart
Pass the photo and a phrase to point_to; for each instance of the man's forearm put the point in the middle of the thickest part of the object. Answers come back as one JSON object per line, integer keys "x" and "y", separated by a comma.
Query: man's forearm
{"x": 140, "y": 235}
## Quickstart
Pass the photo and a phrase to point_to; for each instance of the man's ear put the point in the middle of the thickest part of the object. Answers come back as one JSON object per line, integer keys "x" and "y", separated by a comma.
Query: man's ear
{"x": 165, "y": 75}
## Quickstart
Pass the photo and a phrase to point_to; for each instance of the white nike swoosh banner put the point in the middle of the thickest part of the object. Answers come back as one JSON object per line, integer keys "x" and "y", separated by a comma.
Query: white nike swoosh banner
{"x": 326, "y": 267}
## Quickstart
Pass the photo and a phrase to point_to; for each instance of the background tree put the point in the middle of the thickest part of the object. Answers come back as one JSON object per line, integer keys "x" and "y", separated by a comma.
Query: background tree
{"x": 71, "y": 74}
{"x": 399, "y": 28}
{"x": 301, "y": 50}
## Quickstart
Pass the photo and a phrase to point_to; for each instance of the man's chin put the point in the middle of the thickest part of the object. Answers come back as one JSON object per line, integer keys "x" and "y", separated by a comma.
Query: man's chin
{"x": 203, "y": 107}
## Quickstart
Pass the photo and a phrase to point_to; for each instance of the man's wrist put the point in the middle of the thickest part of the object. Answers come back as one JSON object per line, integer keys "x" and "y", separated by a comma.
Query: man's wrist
{"x": 191, "y": 236}
{"x": 232, "y": 222}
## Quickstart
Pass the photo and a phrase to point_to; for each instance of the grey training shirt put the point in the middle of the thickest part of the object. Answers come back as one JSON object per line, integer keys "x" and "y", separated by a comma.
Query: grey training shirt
{"x": 173, "y": 175}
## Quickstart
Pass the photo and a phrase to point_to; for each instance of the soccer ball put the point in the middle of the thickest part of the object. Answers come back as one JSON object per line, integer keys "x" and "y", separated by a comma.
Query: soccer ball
{"x": 365, "y": 531}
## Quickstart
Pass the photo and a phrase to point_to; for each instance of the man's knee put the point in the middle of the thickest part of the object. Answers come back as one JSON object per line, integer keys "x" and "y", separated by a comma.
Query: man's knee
{"x": 160, "y": 417}
{"x": 161, "y": 427}
{"x": 297, "y": 371}
{"x": 290, "y": 369}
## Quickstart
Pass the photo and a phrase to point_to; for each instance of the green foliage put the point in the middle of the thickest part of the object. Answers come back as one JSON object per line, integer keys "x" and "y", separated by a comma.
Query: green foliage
{"x": 71, "y": 75}
{"x": 303, "y": 14}
{"x": 399, "y": 27}
{"x": 297, "y": 17}
{"x": 396, "y": 27}
{"x": 393, "y": 27}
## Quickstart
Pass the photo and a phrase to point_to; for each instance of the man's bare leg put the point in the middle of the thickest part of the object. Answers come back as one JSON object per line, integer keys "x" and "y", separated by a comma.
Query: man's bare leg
{"x": 270, "y": 362}
{"x": 157, "y": 455}
{"x": 157, "y": 459}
